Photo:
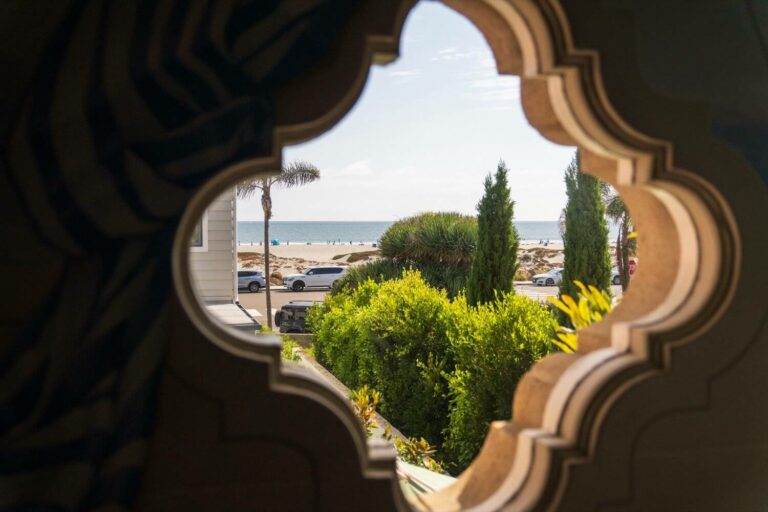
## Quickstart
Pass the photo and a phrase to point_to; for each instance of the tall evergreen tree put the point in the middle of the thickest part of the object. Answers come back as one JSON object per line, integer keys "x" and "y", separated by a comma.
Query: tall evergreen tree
{"x": 495, "y": 260}
{"x": 586, "y": 232}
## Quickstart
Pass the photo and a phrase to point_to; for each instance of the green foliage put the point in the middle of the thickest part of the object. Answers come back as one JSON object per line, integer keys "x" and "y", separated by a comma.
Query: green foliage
{"x": 406, "y": 325}
{"x": 418, "y": 452}
{"x": 626, "y": 241}
{"x": 494, "y": 344}
{"x": 364, "y": 402}
{"x": 287, "y": 353}
{"x": 445, "y": 369}
{"x": 445, "y": 277}
{"x": 412, "y": 450}
{"x": 445, "y": 238}
{"x": 439, "y": 245}
{"x": 392, "y": 336}
{"x": 590, "y": 308}
{"x": 341, "y": 337}
{"x": 377, "y": 271}
{"x": 495, "y": 259}
{"x": 586, "y": 256}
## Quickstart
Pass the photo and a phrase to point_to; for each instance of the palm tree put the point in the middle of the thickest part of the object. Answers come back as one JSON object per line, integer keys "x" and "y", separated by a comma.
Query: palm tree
{"x": 291, "y": 175}
{"x": 616, "y": 210}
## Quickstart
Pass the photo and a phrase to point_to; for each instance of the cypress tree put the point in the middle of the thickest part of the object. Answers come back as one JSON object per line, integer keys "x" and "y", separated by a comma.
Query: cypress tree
{"x": 495, "y": 260}
{"x": 586, "y": 233}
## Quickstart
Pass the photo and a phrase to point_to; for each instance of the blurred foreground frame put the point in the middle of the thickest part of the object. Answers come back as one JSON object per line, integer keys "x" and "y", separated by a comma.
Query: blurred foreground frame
{"x": 124, "y": 121}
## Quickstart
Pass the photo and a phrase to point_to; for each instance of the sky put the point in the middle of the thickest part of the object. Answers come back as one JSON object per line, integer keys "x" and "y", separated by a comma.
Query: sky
{"x": 423, "y": 135}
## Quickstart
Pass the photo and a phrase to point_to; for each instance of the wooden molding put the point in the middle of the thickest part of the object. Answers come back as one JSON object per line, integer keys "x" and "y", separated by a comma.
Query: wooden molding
{"x": 562, "y": 405}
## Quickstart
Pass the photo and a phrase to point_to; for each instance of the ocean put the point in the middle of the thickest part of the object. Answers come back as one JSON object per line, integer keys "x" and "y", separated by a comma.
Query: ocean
{"x": 252, "y": 232}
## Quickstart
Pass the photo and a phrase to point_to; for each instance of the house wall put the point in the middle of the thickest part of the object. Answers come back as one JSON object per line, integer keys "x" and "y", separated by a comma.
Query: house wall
{"x": 213, "y": 265}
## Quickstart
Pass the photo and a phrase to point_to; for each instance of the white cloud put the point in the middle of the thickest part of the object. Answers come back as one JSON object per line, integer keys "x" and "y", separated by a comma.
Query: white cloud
{"x": 449, "y": 54}
{"x": 404, "y": 76}
{"x": 404, "y": 72}
{"x": 495, "y": 88}
{"x": 492, "y": 108}
{"x": 359, "y": 168}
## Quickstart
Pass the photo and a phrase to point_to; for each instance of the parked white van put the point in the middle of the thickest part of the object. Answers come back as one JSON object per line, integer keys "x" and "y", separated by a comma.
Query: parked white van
{"x": 314, "y": 277}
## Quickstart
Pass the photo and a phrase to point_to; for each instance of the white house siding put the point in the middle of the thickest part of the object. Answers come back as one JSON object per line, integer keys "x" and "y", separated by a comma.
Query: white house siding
{"x": 213, "y": 265}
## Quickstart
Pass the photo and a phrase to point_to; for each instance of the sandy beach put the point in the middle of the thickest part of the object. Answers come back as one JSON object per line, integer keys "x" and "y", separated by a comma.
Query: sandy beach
{"x": 290, "y": 259}
{"x": 287, "y": 259}
{"x": 315, "y": 252}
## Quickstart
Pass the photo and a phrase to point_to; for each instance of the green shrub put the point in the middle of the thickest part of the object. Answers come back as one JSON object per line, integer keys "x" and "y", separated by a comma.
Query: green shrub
{"x": 444, "y": 369}
{"x": 418, "y": 452}
{"x": 364, "y": 402}
{"x": 445, "y": 277}
{"x": 407, "y": 323}
{"x": 447, "y": 238}
{"x": 439, "y": 245}
{"x": 589, "y": 308}
{"x": 391, "y": 336}
{"x": 493, "y": 345}
{"x": 341, "y": 339}
{"x": 377, "y": 271}
{"x": 287, "y": 353}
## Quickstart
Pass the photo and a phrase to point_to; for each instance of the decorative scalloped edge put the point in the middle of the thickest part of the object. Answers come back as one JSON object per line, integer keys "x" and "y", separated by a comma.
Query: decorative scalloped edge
{"x": 640, "y": 346}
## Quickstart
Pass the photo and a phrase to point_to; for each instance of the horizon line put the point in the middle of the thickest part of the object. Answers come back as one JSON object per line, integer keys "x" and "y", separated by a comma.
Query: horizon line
{"x": 374, "y": 220}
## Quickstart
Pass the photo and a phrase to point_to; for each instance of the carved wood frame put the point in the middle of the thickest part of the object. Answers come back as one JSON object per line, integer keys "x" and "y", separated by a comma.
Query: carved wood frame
{"x": 560, "y": 405}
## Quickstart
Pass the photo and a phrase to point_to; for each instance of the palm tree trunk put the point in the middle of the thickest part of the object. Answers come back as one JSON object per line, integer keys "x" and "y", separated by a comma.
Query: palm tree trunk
{"x": 265, "y": 201}
{"x": 623, "y": 262}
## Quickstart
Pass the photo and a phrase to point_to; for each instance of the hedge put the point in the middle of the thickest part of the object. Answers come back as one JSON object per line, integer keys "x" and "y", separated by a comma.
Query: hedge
{"x": 445, "y": 369}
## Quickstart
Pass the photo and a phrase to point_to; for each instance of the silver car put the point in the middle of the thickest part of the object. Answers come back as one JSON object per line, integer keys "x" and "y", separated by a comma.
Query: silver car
{"x": 551, "y": 278}
{"x": 251, "y": 280}
{"x": 314, "y": 277}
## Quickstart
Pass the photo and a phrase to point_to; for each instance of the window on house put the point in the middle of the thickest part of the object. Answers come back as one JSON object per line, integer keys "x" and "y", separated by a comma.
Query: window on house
{"x": 197, "y": 235}
{"x": 198, "y": 241}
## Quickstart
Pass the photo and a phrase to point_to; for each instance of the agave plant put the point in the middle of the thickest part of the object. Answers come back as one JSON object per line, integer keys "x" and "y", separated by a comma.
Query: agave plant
{"x": 590, "y": 307}
{"x": 446, "y": 238}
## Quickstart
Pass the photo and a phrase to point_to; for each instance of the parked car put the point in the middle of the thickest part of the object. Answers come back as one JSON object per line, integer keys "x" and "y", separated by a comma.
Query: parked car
{"x": 251, "y": 280}
{"x": 551, "y": 278}
{"x": 292, "y": 316}
{"x": 314, "y": 277}
{"x": 615, "y": 276}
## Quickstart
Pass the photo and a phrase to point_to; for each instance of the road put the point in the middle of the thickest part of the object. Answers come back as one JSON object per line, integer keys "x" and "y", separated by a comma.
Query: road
{"x": 541, "y": 293}
{"x": 255, "y": 303}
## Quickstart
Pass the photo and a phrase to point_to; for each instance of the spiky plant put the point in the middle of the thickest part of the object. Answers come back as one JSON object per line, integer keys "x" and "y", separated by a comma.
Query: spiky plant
{"x": 445, "y": 238}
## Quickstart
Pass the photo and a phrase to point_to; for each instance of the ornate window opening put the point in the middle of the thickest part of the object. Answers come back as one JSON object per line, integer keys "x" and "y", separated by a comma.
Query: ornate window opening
{"x": 558, "y": 407}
